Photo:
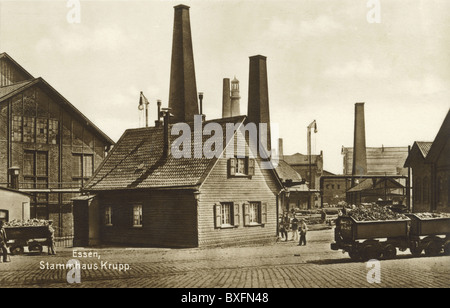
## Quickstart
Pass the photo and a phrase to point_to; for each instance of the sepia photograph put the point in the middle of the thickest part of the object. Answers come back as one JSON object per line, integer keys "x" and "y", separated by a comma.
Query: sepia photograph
{"x": 223, "y": 150}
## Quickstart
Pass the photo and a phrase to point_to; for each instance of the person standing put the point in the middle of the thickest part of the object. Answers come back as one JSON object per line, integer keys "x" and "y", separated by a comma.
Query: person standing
{"x": 294, "y": 228}
{"x": 3, "y": 241}
{"x": 302, "y": 229}
{"x": 51, "y": 239}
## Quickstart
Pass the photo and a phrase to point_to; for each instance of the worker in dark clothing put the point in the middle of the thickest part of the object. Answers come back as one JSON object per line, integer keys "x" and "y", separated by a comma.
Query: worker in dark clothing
{"x": 51, "y": 239}
{"x": 3, "y": 241}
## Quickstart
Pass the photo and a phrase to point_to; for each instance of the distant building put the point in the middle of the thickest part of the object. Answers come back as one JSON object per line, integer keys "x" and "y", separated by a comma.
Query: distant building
{"x": 430, "y": 166}
{"x": 334, "y": 189}
{"x": 51, "y": 144}
{"x": 310, "y": 169}
{"x": 380, "y": 160}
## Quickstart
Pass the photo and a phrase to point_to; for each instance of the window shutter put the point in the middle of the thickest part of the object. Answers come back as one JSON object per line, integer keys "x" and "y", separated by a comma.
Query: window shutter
{"x": 236, "y": 214}
{"x": 264, "y": 212}
{"x": 246, "y": 214}
{"x": 218, "y": 215}
{"x": 232, "y": 166}
{"x": 251, "y": 166}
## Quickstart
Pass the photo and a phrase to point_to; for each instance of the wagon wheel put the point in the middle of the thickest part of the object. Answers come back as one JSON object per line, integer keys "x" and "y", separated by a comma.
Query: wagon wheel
{"x": 36, "y": 247}
{"x": 433, "y": 249}
{"x": 370, "y": 252}
{"x": 354, "y": 255}
{"x": 389, "y": 251}
{"x": 415, "y": 251}
{"x": 16, "y": 250}
{"x": 447, "y": 248}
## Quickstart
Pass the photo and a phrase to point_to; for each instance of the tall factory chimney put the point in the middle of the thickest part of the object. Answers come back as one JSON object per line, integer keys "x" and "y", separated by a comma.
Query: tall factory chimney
{"x": 258, "y": 96}
{"x": 226, "y": 99}
{"x": 183, "y": 89}
{"x": 359, "y": 142}
{"x": 280, "y": 149}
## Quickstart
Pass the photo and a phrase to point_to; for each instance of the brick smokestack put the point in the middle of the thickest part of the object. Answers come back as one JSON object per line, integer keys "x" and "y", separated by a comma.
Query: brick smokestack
{"x": 359, "y": 142}
{"x": 280, "y": 149}
{"x": 235, "y": 98}
{"x": 258, "y": 96}
{"x": 183, "y": 89}
{"x": 226, "y": 99}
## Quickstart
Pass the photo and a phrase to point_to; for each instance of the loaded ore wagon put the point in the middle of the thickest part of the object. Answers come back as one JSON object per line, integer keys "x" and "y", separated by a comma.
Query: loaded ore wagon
{"x": 377, "y": 232}
{"x": 32, "y": 234}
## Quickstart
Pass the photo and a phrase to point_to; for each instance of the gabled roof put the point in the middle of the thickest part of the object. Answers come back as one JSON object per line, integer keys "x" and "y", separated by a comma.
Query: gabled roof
{"x": 14, "y": 88}
{"x": 137, "y": 162}
{"x": 286, "y": 172}
{"x": 419, "y": 149}
{"x": 368, "y": 184}
{"x": 442, "y": 137}
{"x": 4, "y": 55}
{"x": 11, "y": 90}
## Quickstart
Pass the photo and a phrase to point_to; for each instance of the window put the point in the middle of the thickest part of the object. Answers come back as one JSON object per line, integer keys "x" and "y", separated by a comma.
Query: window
{"x": 137, "y": 216}
{"x": 41, "y": 130}
{"x": 255, "y": 213}
{"x": 82, "y": 168}
{"x": 241, "y": 166}
{"x": 52, "y": 131}
{"x": 328, "y": 186}
{"x": 28, "y": 129}
{"x": 338, "y": 186}
{"x": 35, "y": 175}
{"x": 17, "y": 128}
{"x": 226, "y": 215}
{"x": 108, "y": 215}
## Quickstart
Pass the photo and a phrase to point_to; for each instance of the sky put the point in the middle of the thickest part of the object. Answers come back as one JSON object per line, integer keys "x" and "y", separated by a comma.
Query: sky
{"x": 323, "y": 56}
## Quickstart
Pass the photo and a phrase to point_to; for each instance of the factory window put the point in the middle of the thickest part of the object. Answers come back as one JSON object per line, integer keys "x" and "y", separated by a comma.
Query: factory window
{"x": 108, "y": 215}
{"x": 28, "y": 129}
{"x": 241, "y": 166}
{"x": 226, "y": 214}
{"x": 35, "y": 175}
{"x": 255, "y": 213}
{"x": 82, "y": 168}
{"x": 52, "y": 131}
{"x": 16, "y": 128}
{"x": 41, "y": 130}
{"x": 339, "y": 186}
{"x": 137, "y": 215}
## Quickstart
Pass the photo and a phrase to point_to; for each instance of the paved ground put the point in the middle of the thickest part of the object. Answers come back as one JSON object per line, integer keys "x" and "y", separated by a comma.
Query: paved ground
{"x": 282, "y": 265}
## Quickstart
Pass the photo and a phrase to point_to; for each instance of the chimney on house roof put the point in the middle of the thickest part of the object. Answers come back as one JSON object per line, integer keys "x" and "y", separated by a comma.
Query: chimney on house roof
{"x": 183, "y": 89}
{"x": 258, "y": 96}
{"x": 359, "y": 142}
{"x": 226, "y": 99}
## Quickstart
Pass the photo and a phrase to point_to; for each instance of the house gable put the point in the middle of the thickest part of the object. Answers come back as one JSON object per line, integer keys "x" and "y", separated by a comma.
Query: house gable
{"x": 11, "y": 72}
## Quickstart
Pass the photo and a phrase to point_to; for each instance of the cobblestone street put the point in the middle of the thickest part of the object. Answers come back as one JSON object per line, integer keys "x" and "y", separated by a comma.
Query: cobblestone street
{"x": 282, "y": 265}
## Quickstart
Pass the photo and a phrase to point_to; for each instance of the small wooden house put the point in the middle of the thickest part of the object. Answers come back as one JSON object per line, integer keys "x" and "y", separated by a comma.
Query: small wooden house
{"x": 146, "y": 197}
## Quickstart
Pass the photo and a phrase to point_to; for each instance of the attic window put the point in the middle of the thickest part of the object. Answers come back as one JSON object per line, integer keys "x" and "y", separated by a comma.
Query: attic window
{"x": 238, "y": 166}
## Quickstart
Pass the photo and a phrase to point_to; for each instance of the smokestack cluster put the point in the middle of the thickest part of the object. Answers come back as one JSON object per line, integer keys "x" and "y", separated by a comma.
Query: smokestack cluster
{"x": 359, "y": 142}
{"x": 183, "y": 88}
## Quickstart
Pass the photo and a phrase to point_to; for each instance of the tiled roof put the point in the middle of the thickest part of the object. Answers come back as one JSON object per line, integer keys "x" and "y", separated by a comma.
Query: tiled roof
{"x": 424, "y": 147}
{"x": 286, "y": 172}
{"x": 4, "y": 91}
{"x": 137, "y": 161}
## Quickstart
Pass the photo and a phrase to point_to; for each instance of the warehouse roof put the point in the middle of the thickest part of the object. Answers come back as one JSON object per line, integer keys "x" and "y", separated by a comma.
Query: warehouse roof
{"x": 286, "y": 172}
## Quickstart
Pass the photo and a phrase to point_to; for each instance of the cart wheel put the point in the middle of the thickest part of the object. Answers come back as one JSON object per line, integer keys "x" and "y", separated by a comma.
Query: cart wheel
{"x": 433, "y": 249}
{"x": 370, "y": 252}
{"x": 354, "y": 255}
{"x": 415, "y": 251}
{"x": 36, "y": 247}
{"x": 447, "y": 248}
{"x": 16, "y": 250}
{"x": 389, "y": 251}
